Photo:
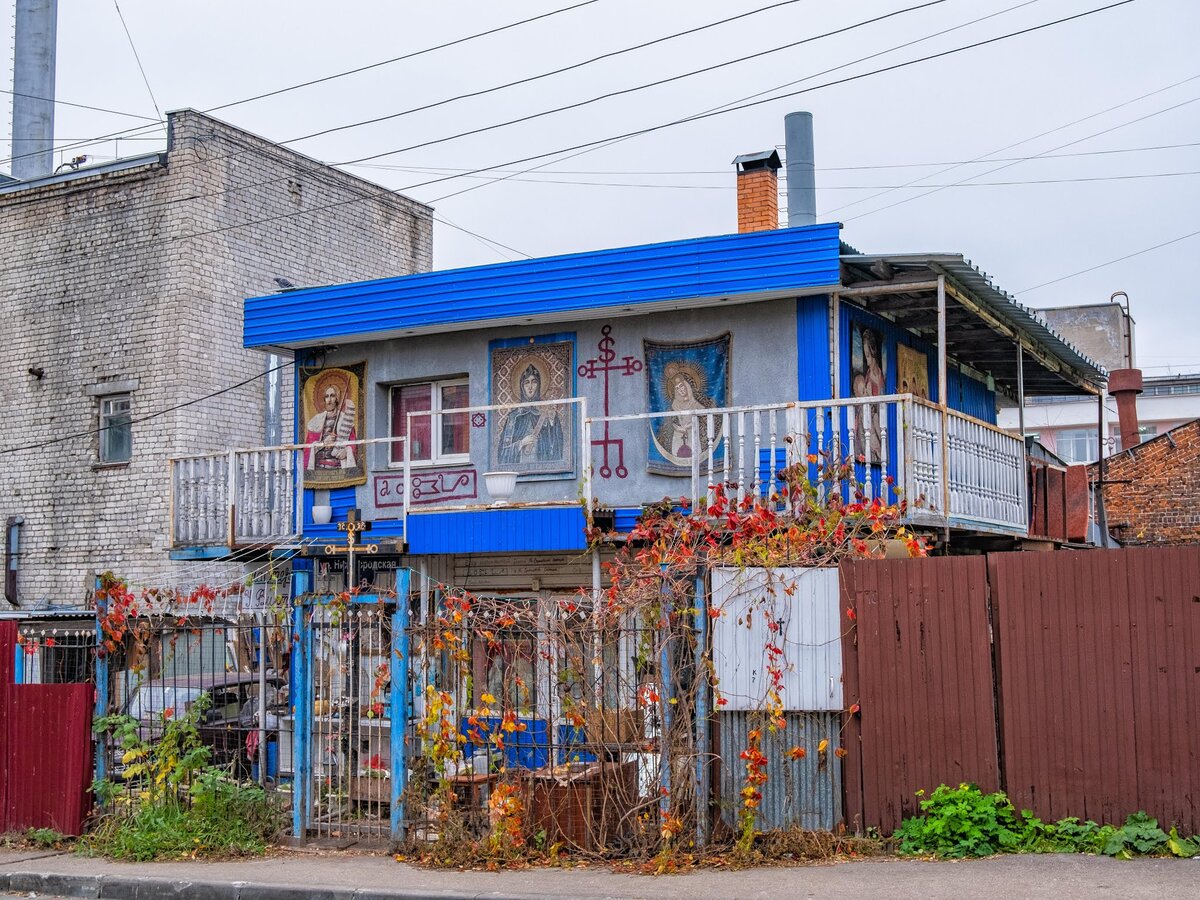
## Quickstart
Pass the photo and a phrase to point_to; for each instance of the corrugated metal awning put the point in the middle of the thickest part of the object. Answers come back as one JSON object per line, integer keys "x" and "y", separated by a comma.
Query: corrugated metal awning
{"x": 982, "y": 314}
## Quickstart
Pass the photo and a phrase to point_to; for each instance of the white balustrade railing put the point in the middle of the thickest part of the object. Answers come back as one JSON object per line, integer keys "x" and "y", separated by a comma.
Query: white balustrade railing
{"x": 987, "y": 474}
{"x": 949, "y": 468}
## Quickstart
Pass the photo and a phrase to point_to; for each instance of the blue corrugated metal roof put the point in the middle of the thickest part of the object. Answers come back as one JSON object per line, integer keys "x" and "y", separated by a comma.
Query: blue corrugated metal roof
{"x": 784, "y": 262}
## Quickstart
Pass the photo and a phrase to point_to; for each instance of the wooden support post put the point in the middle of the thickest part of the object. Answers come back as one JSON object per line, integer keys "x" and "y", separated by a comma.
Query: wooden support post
{"x": 835, "y": 345}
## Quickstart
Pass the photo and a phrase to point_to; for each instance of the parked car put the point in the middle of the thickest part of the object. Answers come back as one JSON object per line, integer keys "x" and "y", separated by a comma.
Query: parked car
{"x": 230, "y": 719}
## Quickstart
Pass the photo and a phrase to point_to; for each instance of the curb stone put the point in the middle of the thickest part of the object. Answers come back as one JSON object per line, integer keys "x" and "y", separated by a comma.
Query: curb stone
{"x": 124, "y": 887}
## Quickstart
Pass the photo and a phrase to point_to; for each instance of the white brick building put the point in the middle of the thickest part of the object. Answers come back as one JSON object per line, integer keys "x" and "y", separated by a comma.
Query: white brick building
{"x": 125, "y": 282}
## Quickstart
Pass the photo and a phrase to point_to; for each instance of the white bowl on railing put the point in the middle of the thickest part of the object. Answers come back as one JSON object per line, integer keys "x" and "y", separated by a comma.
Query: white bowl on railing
{"x": 322, "y": 514}
{"x": 500, "y": 485}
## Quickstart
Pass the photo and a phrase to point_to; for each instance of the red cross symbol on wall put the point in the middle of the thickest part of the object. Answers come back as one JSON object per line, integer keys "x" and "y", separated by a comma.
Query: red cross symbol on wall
{"x": 604, "y": 365}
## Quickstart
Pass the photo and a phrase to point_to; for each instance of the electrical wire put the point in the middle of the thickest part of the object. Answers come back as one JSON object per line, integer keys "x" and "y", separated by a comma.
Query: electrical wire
{"x": 149, "y": 416}
{"x": 810, "y": 39}
{"x": 1111, "y": 262}
{"x": 1035, "y": 137}
{"x": 100, "y": 109}
{"x": 637, "y": 132}
{"x": 138, "y": 59}
{"x": 326, "y": 78}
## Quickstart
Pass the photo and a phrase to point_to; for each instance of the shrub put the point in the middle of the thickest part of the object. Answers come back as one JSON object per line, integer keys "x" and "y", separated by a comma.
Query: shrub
{"x": 963, "y": 821}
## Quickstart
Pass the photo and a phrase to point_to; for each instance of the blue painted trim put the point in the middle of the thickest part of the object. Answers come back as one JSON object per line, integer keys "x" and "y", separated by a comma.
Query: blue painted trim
{"x": 498, "y": 531}
{"x": 101, "y": 709}
{"x": 399, "y": 665}
{"x": 735, "y": 267}
{"x": 302, "y": 706}
{"x": 703, "y": 739}
{"x": 18, "y": 664}
{"x": 192, "y": 553}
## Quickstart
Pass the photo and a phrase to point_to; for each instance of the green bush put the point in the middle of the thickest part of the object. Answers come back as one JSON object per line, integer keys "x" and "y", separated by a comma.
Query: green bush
{"x": 961, "y": 821}
{"x": 964, "y": 821}
{"x": 172, "y": 802}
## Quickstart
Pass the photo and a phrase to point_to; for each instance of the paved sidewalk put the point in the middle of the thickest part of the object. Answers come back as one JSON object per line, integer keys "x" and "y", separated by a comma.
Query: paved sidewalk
{"x": 333, "y": 876}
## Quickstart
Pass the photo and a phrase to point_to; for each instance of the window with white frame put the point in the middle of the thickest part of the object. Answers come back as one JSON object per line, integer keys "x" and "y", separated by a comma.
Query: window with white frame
{"x": 1078, "y": 445}
{"x": 438, "y": 436}
{"x": 116, "y": 429}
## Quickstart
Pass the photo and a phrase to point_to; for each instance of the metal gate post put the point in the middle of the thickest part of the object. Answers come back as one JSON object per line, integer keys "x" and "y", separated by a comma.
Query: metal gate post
{"x": 399, "y": 666}
{"x": 101, "y": 750}
{"x": 302, "y": 705}
{"x": 666, "y": 692}
{"x": 703, "y": 740}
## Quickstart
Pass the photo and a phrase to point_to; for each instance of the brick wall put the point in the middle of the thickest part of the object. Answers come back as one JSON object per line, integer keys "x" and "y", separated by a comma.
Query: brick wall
{"x": 1161, "y": 502}
{"x": 758, "y": 200}
{"x": 137, "y": 277}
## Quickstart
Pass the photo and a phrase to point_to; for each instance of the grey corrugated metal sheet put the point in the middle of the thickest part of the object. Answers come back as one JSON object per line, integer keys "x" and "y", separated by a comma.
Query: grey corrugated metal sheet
{"x": 998, "y": 301}
{"x": 805, "y": 602}
{"x": 807, "y": 792}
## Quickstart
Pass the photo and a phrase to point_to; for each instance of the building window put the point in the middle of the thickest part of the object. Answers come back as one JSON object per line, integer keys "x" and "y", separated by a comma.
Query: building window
{"x": 1078, "y": 445}
{"x": 116, "y": 429}
{"x": 439, "y": 438}
{"x": 1145, "y": 432}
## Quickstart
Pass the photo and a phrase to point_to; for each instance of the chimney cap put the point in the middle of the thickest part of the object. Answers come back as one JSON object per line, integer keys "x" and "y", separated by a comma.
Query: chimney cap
{"x": 765, "y": 159}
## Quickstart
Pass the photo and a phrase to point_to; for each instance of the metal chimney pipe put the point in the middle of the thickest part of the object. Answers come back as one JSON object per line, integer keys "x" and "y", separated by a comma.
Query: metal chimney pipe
{"x": 801, "y": 169}
{"x": 33, "y": 88}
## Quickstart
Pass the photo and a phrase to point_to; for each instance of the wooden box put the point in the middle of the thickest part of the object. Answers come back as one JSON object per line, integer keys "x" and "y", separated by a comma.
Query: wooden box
{"x": 589, "y": 809}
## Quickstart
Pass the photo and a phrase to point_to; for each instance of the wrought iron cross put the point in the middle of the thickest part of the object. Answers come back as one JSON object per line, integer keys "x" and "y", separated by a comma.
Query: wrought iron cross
{"x": 603, "y": 364}
{"x": 353, "y": 526}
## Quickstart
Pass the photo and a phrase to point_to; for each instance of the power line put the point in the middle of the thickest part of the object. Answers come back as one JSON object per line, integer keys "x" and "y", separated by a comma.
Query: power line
{"x": 417, "y": 170}
{"x": 148, "y": 416}
{"x": 137, "y": 59}
{"x": 605, "y": 144}
{"x": 100, "y": 109}
{"x": 284, "y": 90}
{"x": 587, "y": 62}
{"x": 1035, "y": 137}
{"x": 1111, "y": 262}
{"x": 543, "y": 113}
{"x": 646, "y": 85}
{"x": 638, "y": 132}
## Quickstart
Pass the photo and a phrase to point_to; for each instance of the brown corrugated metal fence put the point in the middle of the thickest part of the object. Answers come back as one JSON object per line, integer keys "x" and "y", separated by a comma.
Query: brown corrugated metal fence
{"x": 1098, "y": 659}
{"x": 45, "y": 749}
{"x": 1086, "y": 704}
{"x": 918, "y": 664}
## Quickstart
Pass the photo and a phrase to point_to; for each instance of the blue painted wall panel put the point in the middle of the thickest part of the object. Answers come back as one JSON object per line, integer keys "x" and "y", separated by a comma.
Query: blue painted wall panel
{"x": 497, "y": 531}
{"x": 787, "y": 259}
{"x": 812, "y": 348}
{"x": 342, "y": 500}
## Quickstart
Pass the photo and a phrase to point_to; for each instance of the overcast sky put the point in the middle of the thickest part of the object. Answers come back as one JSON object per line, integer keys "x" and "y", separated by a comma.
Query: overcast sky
{"x": 997, "y": 102}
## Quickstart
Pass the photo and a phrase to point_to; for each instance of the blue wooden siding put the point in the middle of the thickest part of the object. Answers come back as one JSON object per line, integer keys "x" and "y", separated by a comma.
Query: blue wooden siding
{"x": 764, "y": 263}
{"x": 498, "y": 531}
{"x": 812, "y": 348}
{"x": 343, "y": 500}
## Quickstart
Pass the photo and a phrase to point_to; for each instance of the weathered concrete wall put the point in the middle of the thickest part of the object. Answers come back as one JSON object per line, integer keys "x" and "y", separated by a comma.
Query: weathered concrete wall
{"x": 1099, "y": 331}
{"x": 138, "y": 277}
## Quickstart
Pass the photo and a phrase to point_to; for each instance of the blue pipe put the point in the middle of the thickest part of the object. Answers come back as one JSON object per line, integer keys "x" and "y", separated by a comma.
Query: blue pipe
{"x": 703, "y": 739}
{"x": 302, "y": 706}
{"x": 665, "y": 688}
{"x": 399, "y": 665}
{"x": 101, "y": 757}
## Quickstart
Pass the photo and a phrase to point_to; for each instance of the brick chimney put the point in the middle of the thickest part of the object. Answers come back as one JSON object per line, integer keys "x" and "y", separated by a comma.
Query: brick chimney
{"x": 758, "y": 191}
{"x": 1125, "y": 385}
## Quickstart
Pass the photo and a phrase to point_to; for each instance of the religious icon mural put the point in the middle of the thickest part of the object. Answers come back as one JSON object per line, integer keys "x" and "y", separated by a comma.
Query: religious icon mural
{"x": 912, "y": 372}
{"x": 333, "y": 413}
{"x": 868, "y": 378}
{"x": 685, "y": 379}
{"x": 530, "y": 437}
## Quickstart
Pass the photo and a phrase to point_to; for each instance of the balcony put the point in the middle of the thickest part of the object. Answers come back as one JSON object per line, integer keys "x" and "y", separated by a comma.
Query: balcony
{"x": 953, "y": 470}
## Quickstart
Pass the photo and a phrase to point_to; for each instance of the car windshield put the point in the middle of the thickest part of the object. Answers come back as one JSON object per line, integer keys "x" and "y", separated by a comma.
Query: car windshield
{"x": 152, "y": 700}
